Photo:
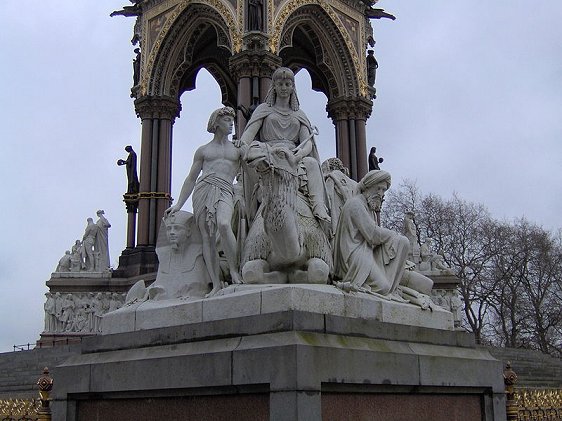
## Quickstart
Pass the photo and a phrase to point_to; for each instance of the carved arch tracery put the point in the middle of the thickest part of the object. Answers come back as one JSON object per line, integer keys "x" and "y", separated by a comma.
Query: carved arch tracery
{"x": 199, "y": 37}
{"x": 311, "y": 38}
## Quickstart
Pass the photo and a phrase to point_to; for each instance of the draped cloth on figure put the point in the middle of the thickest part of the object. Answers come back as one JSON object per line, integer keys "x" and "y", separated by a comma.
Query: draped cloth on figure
{"x": 361, "y": 246}
{"x": 208, "y": 192}
{"x": 101, "y": 244}
{"x": 281, "y": 126}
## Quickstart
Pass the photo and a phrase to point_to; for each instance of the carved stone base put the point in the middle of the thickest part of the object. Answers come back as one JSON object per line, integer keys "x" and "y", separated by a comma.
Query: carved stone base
{"x": 136, "y": 262}
{"x": 287, "y": 365}
{"x": 50, "y": 340}
{"x": 252, "y": 300}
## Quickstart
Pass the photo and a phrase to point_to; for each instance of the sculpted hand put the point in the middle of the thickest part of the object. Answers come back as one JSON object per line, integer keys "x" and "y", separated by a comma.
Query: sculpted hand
{"x": 299, "y": 155}
{"x": 238, "y": 142}
{"x": 171, "y": 210}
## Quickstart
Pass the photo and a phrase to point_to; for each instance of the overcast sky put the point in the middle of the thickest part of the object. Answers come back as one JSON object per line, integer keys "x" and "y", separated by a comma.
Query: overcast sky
{"x": 469, "y": 101}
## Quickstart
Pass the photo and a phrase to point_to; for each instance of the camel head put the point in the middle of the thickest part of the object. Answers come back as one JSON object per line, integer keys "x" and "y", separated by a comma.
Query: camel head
{"x": 264, "y": 157}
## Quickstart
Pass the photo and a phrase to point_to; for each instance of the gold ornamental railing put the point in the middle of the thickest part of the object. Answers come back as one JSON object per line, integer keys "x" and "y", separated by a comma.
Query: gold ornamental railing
{"x": 32, "y": 409}
{"x": 19, "y": 409}
{"x": 539, "y": 404}
{"x": 530, "y": 404}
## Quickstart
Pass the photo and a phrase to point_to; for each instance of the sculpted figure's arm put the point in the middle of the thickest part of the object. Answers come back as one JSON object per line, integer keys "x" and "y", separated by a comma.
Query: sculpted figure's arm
{"x": 250, "y": 133}
{"x": 189, "y": 183}
{"x": 366, "y": 226}
{"x": 305, "y": 146}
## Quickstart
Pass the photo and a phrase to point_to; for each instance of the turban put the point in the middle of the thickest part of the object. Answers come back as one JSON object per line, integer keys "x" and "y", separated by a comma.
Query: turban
{"x": 372, "y": 178}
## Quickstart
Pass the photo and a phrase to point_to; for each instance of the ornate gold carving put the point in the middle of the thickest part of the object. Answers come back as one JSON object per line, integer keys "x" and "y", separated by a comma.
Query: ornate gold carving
{"x": 154, "y": 195}
{"x": 538, "y": 404}
{"x": 232, "y": 18}
{"x": 270, "y": 15}
{"x": 19, "y": 408}
{"x": 45, "y": 384}
{"x": 288, "y": 8}
{"x": 240, "y": 10}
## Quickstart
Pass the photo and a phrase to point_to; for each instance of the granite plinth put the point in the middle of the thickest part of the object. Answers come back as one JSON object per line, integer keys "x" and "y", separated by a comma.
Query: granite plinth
{"x": 294, "y": 365}
{"x": 251, "y": 300}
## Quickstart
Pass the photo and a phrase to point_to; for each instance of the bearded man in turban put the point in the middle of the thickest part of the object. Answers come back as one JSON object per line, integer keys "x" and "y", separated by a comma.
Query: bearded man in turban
{"x": 367, "y": 255}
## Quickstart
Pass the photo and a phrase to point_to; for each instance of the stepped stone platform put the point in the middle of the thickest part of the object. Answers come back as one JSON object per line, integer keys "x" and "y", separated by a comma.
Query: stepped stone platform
{"x": 534, "y": 369}
{"x": 20, "y": 370}
{"x": 278, "y": 361}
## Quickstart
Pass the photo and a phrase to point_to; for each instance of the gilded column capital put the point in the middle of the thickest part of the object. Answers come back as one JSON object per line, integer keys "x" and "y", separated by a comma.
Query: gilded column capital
{"x": 157, "y": 107}
{"x": 345, "y": 108}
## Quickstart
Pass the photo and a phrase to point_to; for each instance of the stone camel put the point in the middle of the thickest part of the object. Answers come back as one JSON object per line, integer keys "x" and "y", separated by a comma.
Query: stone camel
{"x": 286, "y": 243}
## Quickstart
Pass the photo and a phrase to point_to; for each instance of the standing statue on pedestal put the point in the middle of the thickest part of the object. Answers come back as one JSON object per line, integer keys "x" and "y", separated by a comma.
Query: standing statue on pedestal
{"x": 136, "y": 67}
{"x": 131, "y": 167}
{"x": 371, "y": 258}
{"x": 101, "y": 246}
{"x": 286, "y": 242}
{"x": 374, "y": 161}
{"x": 50, "y": 313}
{"x": 88, "y": 242}
{"x": 218, "y": 162}
{"x": 255, "y": 15}
{"x": 372, "y": 66}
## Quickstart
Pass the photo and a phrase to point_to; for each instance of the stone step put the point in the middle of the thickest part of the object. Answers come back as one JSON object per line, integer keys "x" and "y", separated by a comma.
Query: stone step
{"x": 533, "y": 368}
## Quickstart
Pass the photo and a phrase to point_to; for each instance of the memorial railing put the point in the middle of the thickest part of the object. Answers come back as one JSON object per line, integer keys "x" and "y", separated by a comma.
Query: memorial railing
{"x": 530, "y": 404}
{"x": 538, "y": 404}
{"x": 31, "y": 409}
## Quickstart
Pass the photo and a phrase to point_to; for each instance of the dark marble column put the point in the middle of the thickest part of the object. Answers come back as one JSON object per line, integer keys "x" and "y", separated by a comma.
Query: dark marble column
{"x": 349, "y": 116}
{"x": 252, "y": 68}
{"x": 157, "y": 115}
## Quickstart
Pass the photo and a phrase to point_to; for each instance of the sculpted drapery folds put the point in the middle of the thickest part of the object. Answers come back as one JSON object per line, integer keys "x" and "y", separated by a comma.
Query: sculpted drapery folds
{"x": 292, "y": 235}
{"x": 365, "y": 253}
{"x": 289, "y": 243}
{"x": 218, "y": 162}
{"x": 371, "y": 258}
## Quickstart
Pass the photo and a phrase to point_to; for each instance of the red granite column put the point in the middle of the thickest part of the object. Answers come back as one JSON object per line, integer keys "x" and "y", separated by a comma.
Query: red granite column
{"x": 131, "y": 228}
{"x": 361, "y": 139}
{"x": 157, "y": 114}
{"x": 363, "y": 108}
{"x": 338, "y": 112}
{"x": 350, "y": 115}
{"x": 144, "y": 178}
{"x": 164, "y": 183}
{"x": 244, "y": 102}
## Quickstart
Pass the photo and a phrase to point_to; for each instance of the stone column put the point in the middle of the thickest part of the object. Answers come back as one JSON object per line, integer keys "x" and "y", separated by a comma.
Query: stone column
{"x": 252, "y": 68}
{"x": 131, "y": 204}
{"x": 349, "y": 116}
{"x": 157, "y": 115}
{"x": 362, "y": 111}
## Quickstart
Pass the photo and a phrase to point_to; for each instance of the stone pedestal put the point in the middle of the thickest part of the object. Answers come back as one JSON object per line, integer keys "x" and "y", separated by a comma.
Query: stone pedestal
{"x": 287, "y": 364}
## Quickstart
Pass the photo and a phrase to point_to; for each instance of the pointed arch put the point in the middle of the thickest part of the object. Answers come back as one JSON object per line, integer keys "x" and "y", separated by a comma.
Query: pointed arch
{"x": 312, "y": 39}
{"x": 198, "y": 38}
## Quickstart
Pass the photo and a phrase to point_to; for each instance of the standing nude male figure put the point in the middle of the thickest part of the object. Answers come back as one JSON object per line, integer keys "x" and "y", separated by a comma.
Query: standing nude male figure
{"x": 218, "y": 162}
